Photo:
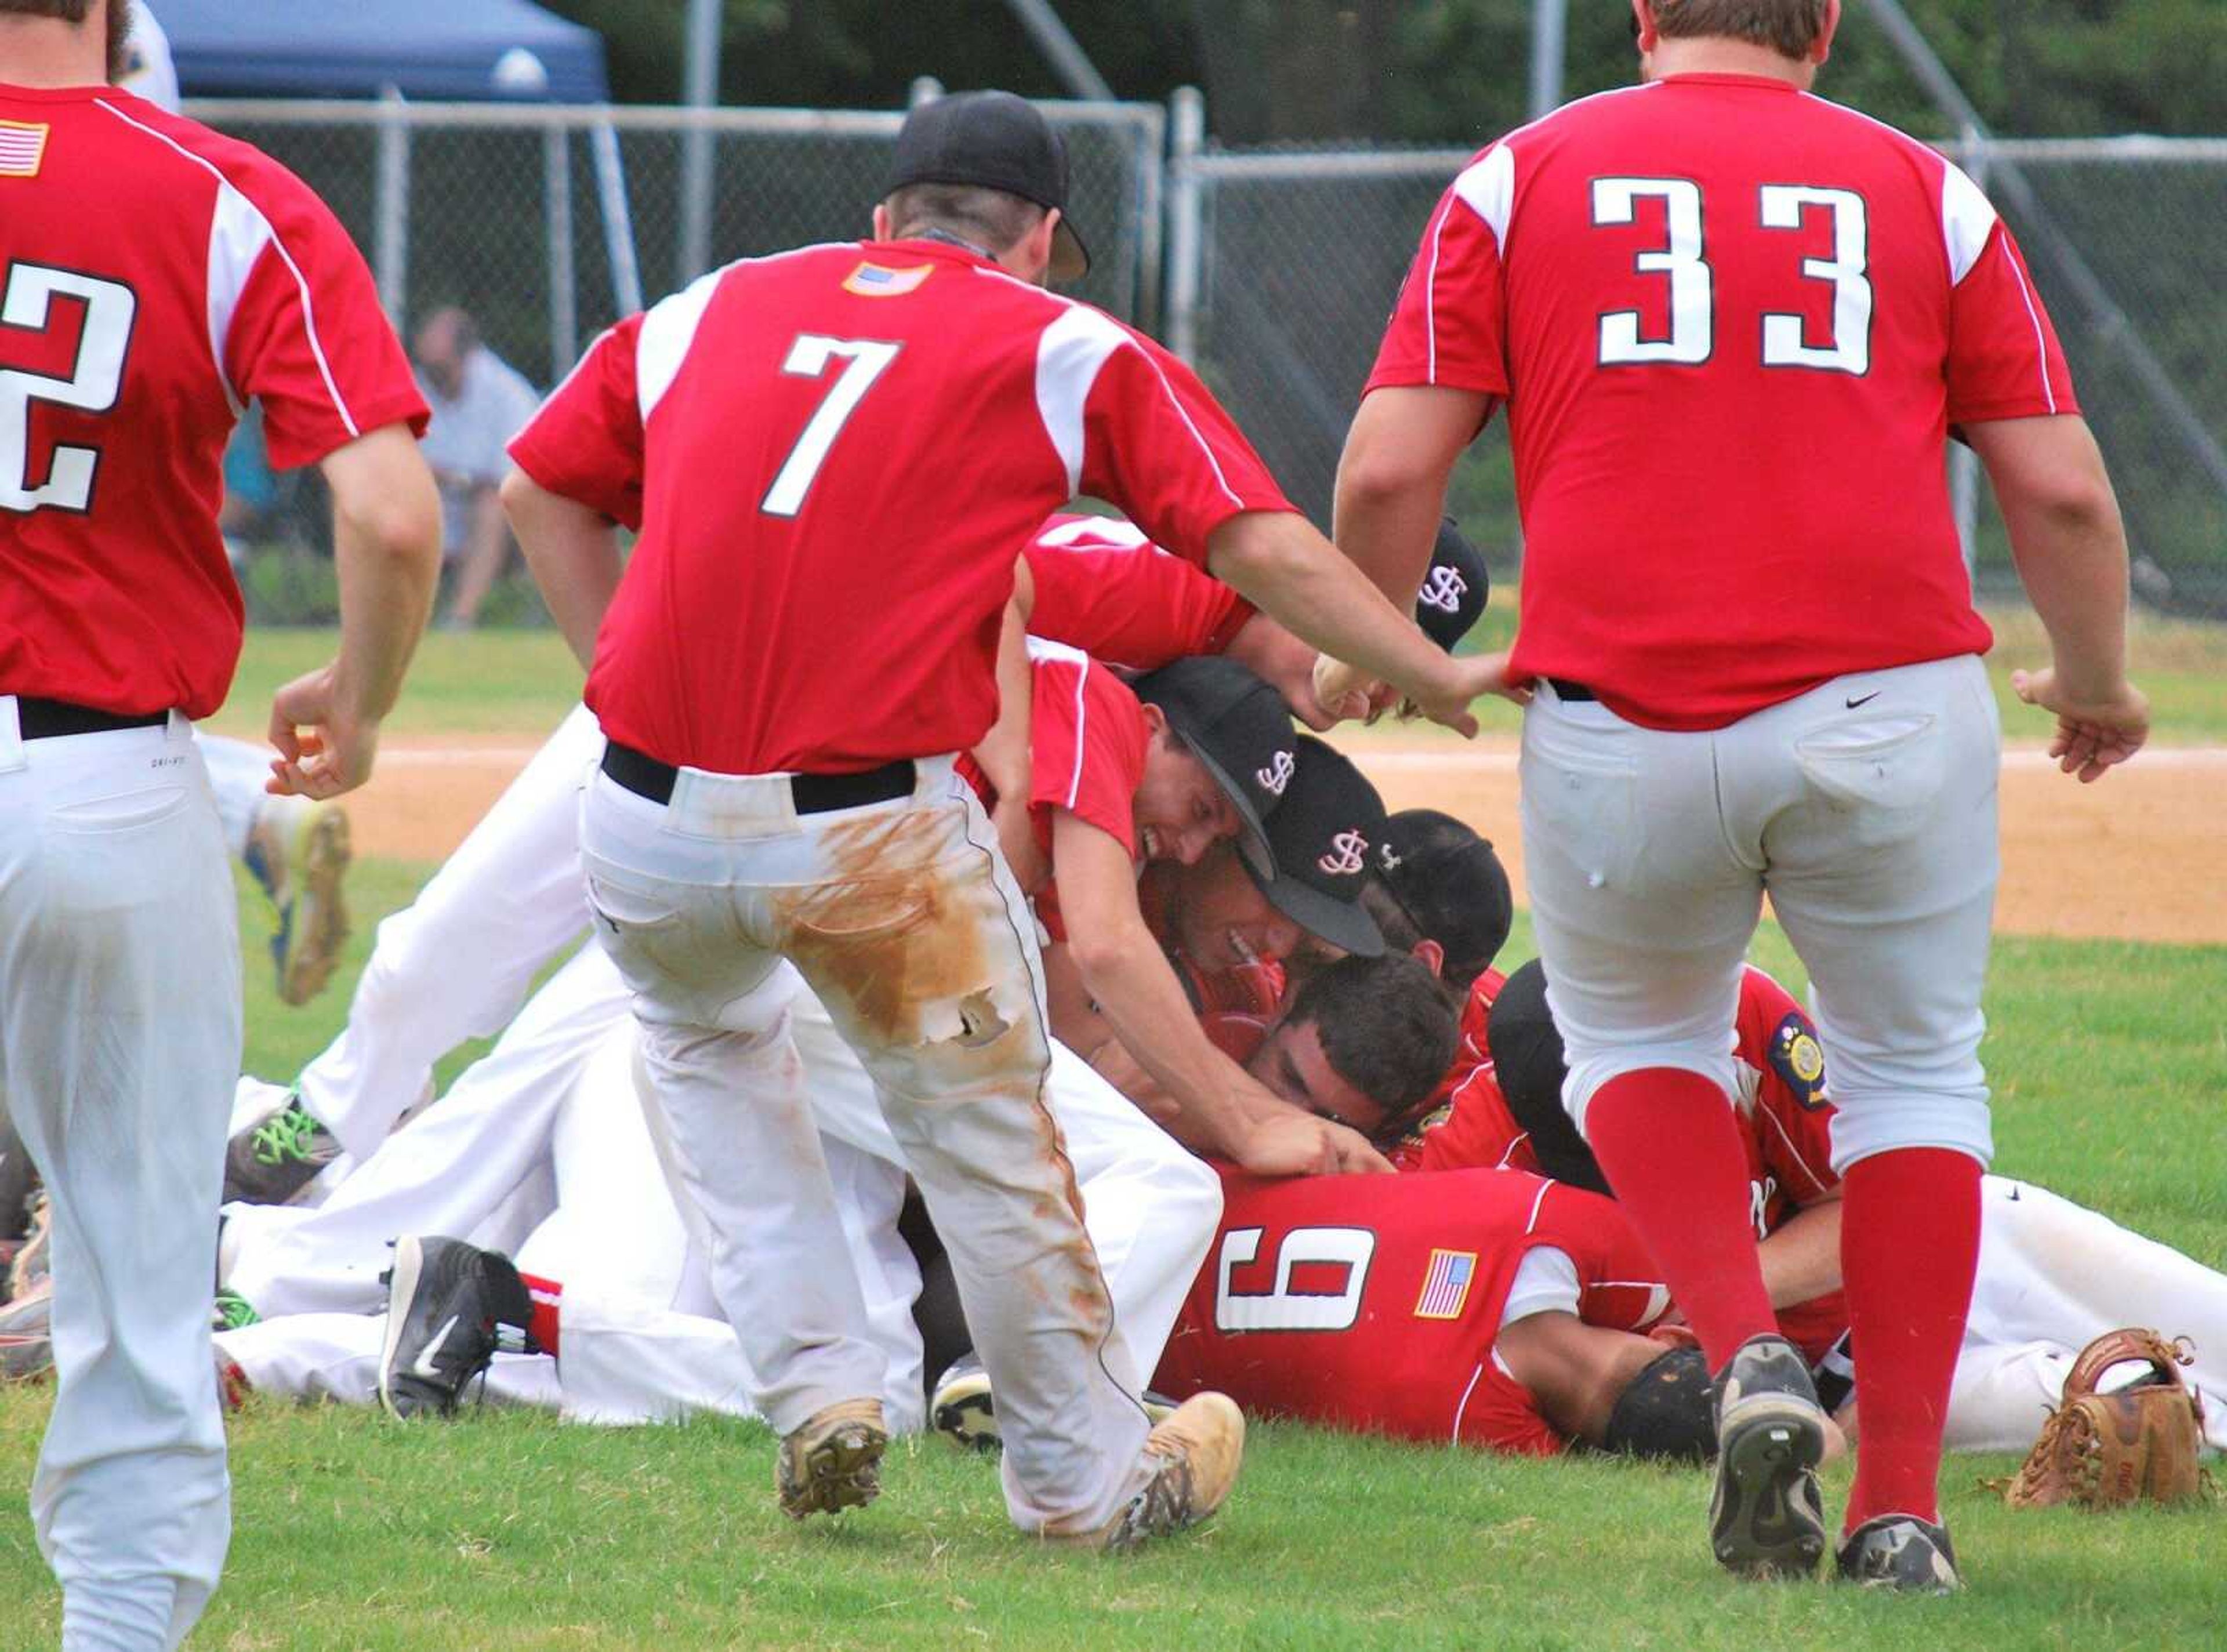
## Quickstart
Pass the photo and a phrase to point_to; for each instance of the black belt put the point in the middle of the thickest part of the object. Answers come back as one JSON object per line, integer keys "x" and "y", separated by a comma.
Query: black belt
{"x": 1570, "y": 691}
{"x": 39, "y": 719}
{"x": 812, "y": 793}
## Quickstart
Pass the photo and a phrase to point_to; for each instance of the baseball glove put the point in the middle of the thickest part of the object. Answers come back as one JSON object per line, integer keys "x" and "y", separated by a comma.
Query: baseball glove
{"x": 2105, "y": 1451}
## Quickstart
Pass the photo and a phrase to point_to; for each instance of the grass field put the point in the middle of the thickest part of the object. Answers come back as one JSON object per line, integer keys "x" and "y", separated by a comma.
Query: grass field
{"x": 508, "y": 1531}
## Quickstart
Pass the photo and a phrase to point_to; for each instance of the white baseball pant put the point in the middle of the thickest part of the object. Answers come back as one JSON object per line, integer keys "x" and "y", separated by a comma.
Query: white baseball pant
{"x": 1865, "y": 808}
{"x": 120, "y": 1039}
{"x": 2053, "y": 1277}
{"x": 907, "y": 923}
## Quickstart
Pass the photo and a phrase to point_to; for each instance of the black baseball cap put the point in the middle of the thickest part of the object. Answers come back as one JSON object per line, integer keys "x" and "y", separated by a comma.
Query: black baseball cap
{"x": 1450, "y": 882}
{"x": 1239, "y": 727}
{"x": 1324, "y": 837}
{"x": 1528, "y": 1065}
{"x": 1454, "y": 590}
{"x": 992, "y": 140}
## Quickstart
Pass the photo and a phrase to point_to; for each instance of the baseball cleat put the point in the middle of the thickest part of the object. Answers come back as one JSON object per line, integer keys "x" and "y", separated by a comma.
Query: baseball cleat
{"x": 445, "y": 1300}
{"x": 27, "y": 1339}
{"x": 298, "y": 850}
{"x": 277, "y": 1156}
{"x": 1901, "y": 1552}
{"x": 1193, "y": 1456}
{"x": 833, "y": 1462}
{"x": 1767, "y": 1515}
{"x": 965, "y": 1411}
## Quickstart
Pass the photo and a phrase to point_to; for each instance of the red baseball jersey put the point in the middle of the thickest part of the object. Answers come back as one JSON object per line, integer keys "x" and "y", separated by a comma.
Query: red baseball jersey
{"x": 1106, "y": 588}
{"x": 1373, "y": 1302}
{"x": 1472, "y": 1060}
{"x": 836, "y": 454}
{"x": 1733, "y": 324}
{"x": 157, "y": 278}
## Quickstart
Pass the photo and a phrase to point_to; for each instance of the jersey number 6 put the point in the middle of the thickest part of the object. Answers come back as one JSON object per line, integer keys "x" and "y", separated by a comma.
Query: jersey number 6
{"x": 1282, "y": 1307}
{"x": 808, "y": 358}
{"x": 96, "y": 378}
{"x": 1692, "y": 338}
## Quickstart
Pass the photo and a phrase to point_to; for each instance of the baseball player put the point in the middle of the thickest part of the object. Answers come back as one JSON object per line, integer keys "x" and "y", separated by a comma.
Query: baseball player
{"x": 759, "y": 799}
{"x": 157, "y": 278}
{"x": 2051, "y": 1276}
{"x": 1734, "y": 325}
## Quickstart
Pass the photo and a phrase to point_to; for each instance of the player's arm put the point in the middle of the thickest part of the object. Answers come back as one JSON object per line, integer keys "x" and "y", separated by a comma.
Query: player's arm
{"x": 1216, "y": 1107}
{"x": 1802, "y": 1257}
{"x": 573, "y": 550}
{"x": 1578, "y": 1372}
{"x": 1392, "y": 480}
{"x": 2070, "y": 547}
{"x": 1003, "y": 752}
{"x": 386, "y": 553}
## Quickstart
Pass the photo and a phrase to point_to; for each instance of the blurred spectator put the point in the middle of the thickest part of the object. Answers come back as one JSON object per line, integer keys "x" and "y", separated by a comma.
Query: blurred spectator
{"x": 250, "y": 512}
{"x": 147, "y": 71}
{"x": 480, "y": 401}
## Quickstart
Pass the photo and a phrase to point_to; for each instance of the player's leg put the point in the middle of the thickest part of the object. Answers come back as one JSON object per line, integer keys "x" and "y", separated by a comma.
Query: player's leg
{"x": 448, "y": 1173}
{"x": 120, "y": 1039}
{"x": 2058, "y": 1273}
{"x": 298, "y": 850}
{"x": 1883, "y": 867}
{"x": 458, "y": 962}
{"x": 960, "y": 1066}
{"x": 1644, "y": 897}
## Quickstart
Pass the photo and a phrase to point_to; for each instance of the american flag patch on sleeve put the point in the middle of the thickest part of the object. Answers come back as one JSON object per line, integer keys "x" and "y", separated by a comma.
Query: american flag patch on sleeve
{"x": 22, "y": 146}
{"x": 1445, "y": 1284}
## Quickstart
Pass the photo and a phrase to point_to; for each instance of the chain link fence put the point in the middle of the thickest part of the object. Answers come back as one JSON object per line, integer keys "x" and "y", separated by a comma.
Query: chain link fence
{"x": 1295, "y": 257}
{"x": 546, "y": 223}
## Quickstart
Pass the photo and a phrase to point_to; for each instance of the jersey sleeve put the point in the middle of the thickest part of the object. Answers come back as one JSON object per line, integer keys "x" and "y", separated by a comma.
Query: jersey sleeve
{"x": 307, "y": 338}
{"x": 585, "y": 442}
{"x": 2004, "y": 359}
{"x": 1131, "y": 605}
{"x": 1449, "y": 326}
{"x": 1086, "y": 745}
{"x": 1793, "y": 1119}
{"x": 1159, "y": 446}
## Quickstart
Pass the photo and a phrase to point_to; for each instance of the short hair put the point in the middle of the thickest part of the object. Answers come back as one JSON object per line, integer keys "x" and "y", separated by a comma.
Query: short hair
{"x": 991, "y": 218}
{"x": 1387, "y": 1026}
{"x": 1789, "y": 27}
{"x": 69, "y": 11}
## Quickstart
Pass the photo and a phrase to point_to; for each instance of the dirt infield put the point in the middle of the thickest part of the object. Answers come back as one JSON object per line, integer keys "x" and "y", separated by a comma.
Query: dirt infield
{"x": 2139, "y": 857}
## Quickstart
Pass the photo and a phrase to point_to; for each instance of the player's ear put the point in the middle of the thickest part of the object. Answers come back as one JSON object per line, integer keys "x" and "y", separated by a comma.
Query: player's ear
{"x": 1156, "y": 720}
{"x": 1431, "y": 956}
{"x": 882, "y": 225}
{"x": 1821, "y": 48}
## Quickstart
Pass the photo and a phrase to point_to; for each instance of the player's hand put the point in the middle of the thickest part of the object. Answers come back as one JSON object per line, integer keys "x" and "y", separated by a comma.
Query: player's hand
{"x": 320, "y": 753}
{"x": 1467, "y": 678}
{"x": 1284, "y": 1141}
{"x": 2093, "y": 736}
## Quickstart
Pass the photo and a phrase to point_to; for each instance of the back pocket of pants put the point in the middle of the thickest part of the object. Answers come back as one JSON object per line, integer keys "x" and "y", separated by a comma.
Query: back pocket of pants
{"x": 1885, "y": 775}
{"x": 126, "y": 812}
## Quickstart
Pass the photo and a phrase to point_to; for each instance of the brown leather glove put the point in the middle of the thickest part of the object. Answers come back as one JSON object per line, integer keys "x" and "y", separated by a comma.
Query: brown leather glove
{"x": 2106, "y": 1450}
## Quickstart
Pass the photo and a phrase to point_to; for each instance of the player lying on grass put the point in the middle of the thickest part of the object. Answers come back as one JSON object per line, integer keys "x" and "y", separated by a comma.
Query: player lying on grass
{"x": 2052, "y": 1275}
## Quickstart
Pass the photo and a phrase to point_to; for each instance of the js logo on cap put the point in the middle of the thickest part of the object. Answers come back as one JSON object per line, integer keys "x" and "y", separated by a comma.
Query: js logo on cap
{"x": 1348, "y": 854}
{"x": 1444, "y": 591}
{"x": 1278, "y": 774}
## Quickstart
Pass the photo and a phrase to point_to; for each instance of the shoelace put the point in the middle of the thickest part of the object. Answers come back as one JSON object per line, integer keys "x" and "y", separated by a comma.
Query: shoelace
{"x": 286, "y": 1135}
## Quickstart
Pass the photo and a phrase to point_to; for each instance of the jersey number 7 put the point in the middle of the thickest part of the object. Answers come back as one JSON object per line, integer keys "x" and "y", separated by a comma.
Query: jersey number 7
{"x": 1692, "y": 338}
{"x": 808, "y": 358}
{"x": 95, "y": 380}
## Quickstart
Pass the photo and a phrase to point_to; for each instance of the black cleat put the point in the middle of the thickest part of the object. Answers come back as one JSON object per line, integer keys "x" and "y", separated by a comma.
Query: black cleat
{"x": 444, "y": 1300}
{"x": 1767, "y": 1515}
{"x": 277, "y": 1156}
{"x": 965, "y": 1411}
{"x": 1901, "y": 1552}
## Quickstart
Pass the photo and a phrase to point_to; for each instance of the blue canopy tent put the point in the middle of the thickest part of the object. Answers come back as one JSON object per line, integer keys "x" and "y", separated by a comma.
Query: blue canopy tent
{"x": 428, "y": 49}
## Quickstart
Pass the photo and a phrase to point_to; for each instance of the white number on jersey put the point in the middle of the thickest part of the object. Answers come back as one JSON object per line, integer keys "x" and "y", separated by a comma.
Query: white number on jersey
{"x": 1691, "y": 287}
{"x": 1281, "y": 1308}
{"x": 1693, "y": 319}
{"x": 96, "y": 378}
{"x": 808, "y": 358}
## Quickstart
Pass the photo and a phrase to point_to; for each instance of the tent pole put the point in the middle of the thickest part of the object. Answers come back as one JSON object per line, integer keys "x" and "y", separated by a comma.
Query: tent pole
{"x": 391, "y": 235}
{"x": 563, "y": 295}
{"x": 701, "y": 92}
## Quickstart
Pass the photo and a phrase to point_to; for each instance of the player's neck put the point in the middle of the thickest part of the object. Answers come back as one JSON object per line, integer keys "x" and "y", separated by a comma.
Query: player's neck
{"x": 45, "y": 52}
{"x": 1713, "y": 56}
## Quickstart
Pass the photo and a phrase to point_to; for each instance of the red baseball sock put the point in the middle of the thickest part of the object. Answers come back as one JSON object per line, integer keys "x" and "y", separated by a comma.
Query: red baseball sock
{"x": 1667, "y": 1142}
{"x": 541, "y": 1325}
{"x": 1910, "y": 1242}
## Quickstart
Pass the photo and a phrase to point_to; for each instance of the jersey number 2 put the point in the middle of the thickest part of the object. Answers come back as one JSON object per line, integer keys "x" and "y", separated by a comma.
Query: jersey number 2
{"x": 95, "y": 380}
{"x": 808, "y": 358}
{"x": 1692, "y": 337}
